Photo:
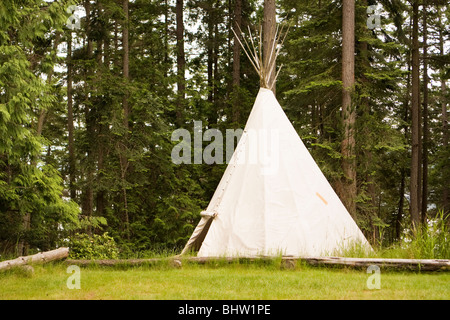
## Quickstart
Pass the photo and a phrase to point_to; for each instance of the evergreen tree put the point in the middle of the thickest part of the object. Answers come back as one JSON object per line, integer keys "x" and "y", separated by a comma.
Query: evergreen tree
{"x": 87, "y": 113}
{"x": 32, "y": 210}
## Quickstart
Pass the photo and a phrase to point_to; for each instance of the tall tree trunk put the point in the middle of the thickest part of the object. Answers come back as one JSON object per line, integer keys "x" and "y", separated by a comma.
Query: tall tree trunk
{"x": 166, "y": 38}
{"x": 70, "y": 126}
{"x": 401, "y": 201}
{"x": 216, "y": 65}
{"x": 366, "y": 156}
{"x": 425, "y": 119}
{"x": 126, "y": 114}
{"x": 181, "y": 63}
{"x": 269, "y": 31}
{"x": 126, "y": 62}
{"x": 237, "y": 61}
{"x": 415, "y": 122}
{"x": 210, "y": 52}
{"x": 87, "y": 204}
{"x": 101, "y": 53}
{"x": 348, "y": 186}
{"x": 445, "y": 191}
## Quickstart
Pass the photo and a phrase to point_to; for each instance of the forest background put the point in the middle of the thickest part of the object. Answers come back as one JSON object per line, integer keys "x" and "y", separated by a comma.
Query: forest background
{"x": 90, "y": 96}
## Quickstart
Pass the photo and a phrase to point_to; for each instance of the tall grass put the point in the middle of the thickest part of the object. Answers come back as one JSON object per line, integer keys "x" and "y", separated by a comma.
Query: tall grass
{"x": 430, "y": 241}
{"x": 354, "y": 250}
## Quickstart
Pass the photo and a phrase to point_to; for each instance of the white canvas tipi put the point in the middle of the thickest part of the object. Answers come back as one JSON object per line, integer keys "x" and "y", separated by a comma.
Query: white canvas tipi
{"x": 273, "y": 198}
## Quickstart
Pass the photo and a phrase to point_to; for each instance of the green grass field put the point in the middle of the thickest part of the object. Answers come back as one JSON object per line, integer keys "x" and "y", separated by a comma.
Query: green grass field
{"x": 220, "y": 281}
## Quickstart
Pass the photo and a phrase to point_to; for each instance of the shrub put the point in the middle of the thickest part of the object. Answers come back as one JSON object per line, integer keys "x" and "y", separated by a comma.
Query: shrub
{"x": 83, "y": 246}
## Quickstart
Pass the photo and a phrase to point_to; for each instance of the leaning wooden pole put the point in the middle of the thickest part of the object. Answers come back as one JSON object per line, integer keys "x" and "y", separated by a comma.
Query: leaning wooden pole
{"x": 41, "y": 257}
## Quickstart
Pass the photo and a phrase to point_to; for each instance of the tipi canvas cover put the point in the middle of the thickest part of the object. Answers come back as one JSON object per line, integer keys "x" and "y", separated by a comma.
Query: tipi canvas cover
{"x": 273, "y": 198}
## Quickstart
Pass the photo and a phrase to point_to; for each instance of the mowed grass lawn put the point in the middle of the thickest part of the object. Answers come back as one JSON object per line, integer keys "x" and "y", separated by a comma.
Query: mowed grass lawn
{"x": 220, "y": 281}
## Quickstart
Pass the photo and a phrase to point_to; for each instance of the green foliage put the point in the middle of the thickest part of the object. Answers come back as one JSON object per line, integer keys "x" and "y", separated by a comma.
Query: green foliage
{"x": 124, "y": 181}
{"x": 431, "y": 241}
{"x": 30, "y": 189}
{"x": 83, "y": 246}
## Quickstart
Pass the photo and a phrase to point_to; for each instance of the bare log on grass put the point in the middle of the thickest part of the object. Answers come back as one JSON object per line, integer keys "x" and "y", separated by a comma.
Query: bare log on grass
{"x": 412, "y": 264}
{"x": 290, "y": 262}
{"x": 41, "y": 257}
{"x": 287, "y": 262}
{"x": 114, "y": 262}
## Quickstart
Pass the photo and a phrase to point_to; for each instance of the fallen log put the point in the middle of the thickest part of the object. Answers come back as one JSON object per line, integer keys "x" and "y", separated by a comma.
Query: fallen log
{"x": 114, "y": 262}
{"x": 41, "y": 257}
{"x": 288, "y": 262}
{"x": 411, "y": 264}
